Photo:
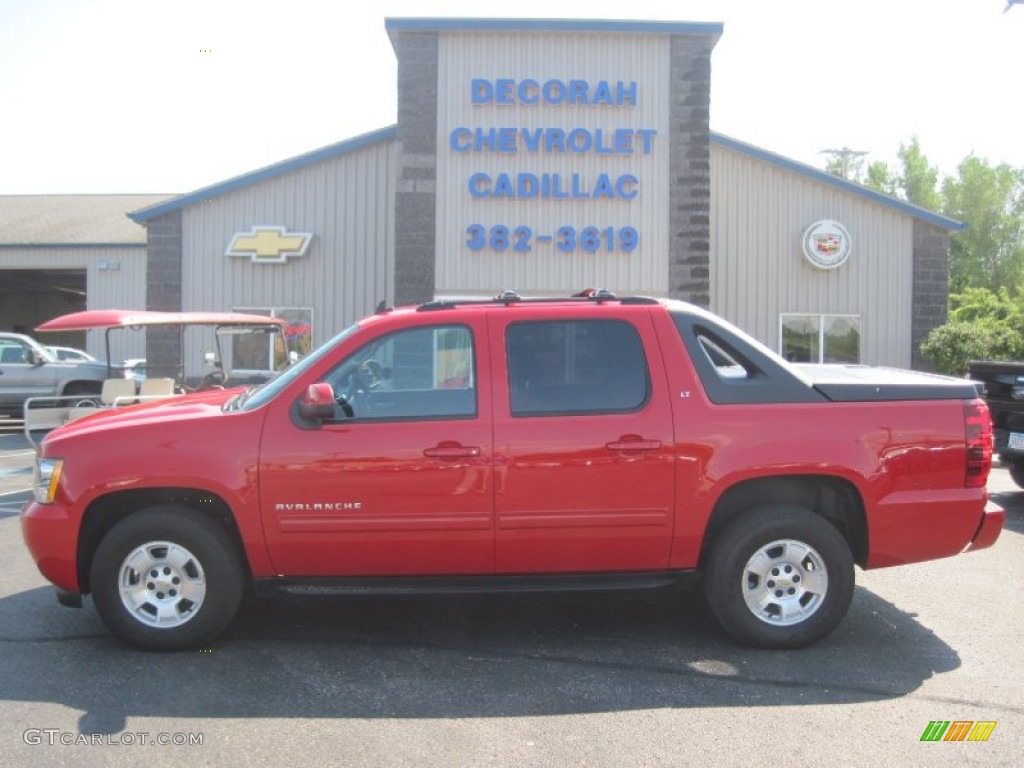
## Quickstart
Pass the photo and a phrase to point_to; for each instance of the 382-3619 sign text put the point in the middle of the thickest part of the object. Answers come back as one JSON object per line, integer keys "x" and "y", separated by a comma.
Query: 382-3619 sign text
{"x": 552, "y": 186}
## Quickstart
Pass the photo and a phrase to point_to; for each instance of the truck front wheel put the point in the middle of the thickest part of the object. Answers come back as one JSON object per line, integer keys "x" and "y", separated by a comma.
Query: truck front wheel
{"x": 780, "y": 577}
{"x": 167, "y": 578}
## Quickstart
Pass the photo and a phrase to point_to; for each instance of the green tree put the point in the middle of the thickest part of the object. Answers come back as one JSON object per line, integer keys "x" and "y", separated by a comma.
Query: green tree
{"x": 914, "y": 180}
{"x": 881, "y": 179}
{"x": 980, "y": 303}
{"x": 918, "y": 181}
{"x": 989, "y": 253}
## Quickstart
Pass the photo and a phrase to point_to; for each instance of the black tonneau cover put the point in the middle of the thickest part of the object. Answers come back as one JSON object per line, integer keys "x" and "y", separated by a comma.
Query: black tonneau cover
{"x": 857, "y": 383}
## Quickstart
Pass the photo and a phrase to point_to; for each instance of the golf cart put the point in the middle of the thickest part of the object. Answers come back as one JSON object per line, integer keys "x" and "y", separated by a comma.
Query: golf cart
{"x": 257, "y": 353}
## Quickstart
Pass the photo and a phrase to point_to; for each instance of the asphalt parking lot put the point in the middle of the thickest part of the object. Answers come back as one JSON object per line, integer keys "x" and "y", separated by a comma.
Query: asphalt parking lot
{"x": 599, "y": 680}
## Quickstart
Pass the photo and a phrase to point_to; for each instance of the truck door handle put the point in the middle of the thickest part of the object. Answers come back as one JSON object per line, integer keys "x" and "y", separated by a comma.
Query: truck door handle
{"x": 452, "y": 451}
{"x": 633, "y": 445}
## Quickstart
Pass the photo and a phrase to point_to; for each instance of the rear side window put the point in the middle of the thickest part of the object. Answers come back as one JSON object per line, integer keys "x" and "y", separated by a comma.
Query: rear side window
{"x": 575, "y": 367}
{"x": 736, "y": 369}
{"x": 723, "y": 363}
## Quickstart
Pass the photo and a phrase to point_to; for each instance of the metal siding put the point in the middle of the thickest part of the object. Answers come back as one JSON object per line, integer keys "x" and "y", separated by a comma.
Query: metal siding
{"x": 639, "y": 58}
{"x": 758, "y": 272}
{"x": 123, "y": 288}
{"x": 346, "y": 202}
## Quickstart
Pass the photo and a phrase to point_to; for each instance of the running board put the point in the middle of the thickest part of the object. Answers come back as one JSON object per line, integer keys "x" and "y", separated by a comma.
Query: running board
{"x": 426, "y": 585}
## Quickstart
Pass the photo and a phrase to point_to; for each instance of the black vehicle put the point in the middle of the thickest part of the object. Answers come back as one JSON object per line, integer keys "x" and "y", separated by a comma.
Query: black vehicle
{"x": 1004, "y": 392}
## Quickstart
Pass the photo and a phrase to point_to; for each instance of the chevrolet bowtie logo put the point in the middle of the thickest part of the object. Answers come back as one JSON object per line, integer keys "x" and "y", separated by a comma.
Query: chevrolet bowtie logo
{"x": 269, "y": 245}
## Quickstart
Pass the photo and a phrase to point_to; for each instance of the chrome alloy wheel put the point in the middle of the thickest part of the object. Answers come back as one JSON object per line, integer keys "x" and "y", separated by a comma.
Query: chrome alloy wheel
{"x": 162, "y": 584}
{"x": 784, "y": 582}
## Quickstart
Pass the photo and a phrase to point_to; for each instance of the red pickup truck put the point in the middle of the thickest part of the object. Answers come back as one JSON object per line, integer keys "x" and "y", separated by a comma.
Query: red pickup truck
{"x": 592, "y": 442}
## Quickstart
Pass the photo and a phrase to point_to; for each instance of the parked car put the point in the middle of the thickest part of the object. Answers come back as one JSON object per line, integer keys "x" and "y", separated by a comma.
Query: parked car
{"x": 70, "y": 354}
{"x": 583, "y": 443}
{"x": 1004, "y": 392}
{"x": 28, "y": 369}
{"x": 134, "y": 368}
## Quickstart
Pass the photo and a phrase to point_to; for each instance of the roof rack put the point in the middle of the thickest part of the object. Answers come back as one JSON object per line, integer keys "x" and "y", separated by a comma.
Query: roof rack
{"x": 507, "y": 297}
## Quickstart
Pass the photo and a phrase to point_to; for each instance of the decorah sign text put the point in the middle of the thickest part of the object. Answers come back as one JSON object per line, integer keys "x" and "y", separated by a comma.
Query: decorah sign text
{"x": 589, "y": 237}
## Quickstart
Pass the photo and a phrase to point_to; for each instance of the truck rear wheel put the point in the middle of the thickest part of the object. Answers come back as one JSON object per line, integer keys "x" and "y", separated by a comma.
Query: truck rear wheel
{"x": 780, "y": 577}
{"x": 1016, "y": 468}
{"x": 167, "y": 578}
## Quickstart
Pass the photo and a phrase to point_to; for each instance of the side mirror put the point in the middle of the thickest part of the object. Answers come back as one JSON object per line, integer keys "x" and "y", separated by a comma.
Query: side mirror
{"x": 35, "y": 358}
{"x": 317, "y": 402}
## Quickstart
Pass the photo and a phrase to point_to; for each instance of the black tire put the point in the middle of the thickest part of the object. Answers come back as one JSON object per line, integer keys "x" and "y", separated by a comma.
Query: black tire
{"x": 85, "y": 388}
{"x": 184, "y": 583}
{"x": 790, "y": 604}
{"x": 1016, "y": 467}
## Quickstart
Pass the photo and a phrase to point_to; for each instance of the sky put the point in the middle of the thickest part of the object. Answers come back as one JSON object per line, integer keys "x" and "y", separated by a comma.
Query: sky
{"x": 155, "y": 96}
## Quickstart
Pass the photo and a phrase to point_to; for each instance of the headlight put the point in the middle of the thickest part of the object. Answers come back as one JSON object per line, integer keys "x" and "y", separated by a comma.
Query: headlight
{"x": 47, "y": 475}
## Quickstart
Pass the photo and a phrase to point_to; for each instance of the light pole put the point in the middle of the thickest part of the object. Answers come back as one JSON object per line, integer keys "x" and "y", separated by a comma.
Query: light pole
{"x": 845, "y": 156}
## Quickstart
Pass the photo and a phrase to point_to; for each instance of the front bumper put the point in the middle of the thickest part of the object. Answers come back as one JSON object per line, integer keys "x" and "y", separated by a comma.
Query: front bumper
{"x": 51, "y": 535}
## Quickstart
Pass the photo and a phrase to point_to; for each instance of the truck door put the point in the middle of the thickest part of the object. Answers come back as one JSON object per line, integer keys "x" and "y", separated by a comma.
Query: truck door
{"x": 20, "y": 378}
{"x": 401, "y": 481}
{"x": 583, "y": 443}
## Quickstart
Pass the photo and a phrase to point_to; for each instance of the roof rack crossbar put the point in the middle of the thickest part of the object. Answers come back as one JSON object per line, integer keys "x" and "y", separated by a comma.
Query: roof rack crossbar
{"x": 507, "y": 297}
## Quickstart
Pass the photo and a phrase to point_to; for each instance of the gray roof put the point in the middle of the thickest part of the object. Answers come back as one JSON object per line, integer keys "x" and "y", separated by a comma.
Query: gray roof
{"x": 72, "y": 219}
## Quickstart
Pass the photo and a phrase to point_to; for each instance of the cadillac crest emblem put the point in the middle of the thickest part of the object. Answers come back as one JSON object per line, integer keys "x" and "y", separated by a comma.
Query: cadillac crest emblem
{"x": 826, "y": 244}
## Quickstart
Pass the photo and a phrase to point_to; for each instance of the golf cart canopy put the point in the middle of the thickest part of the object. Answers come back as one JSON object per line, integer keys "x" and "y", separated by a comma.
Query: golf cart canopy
{"x": 232, "y": 324}
{"x": 124, "y": 318}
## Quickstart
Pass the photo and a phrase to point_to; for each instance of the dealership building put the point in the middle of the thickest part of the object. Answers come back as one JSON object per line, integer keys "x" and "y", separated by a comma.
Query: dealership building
{"x": 545, "y": 156}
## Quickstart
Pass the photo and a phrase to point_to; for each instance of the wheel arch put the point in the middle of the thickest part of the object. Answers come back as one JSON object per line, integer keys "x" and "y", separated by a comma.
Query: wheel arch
{"x": 81, "y": 387}
{"x": 833, "y": 498}
{"x": 105, "y": 512}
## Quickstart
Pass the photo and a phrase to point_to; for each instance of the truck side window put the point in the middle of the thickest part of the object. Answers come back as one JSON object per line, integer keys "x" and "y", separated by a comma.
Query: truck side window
{"x": 416, "y": 373}
{"x": 725, "y": 365}
{"x": 14, "y": 352}
{"x": 575, "y": 367}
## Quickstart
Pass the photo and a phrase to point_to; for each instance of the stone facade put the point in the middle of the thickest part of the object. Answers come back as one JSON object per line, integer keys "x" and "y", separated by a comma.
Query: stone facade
{"x": 416, "y": 188}
{"x": 931, "y": 286}
{"x": 690, "y": 169}
{"x": 163, "y": 291}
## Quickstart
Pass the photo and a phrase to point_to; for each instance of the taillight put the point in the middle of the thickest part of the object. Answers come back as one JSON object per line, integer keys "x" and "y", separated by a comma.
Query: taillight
{"x": 978, "y": 426}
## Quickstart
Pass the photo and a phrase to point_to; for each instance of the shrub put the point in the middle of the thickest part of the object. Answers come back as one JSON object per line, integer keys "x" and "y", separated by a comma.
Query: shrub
{"x": 951, "y": 346}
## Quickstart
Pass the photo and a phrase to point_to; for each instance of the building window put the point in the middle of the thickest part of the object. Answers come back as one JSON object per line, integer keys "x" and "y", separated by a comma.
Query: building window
{"x": 821, "y": 338}
{"x": 253, "y": 352}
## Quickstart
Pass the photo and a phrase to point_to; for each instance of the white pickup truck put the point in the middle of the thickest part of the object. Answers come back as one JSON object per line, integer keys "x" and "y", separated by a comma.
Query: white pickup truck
{"x": 28, "y": 369}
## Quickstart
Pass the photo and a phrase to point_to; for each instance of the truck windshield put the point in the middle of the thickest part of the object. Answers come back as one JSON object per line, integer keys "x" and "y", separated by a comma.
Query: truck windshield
{"x": 268, "y": 391}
